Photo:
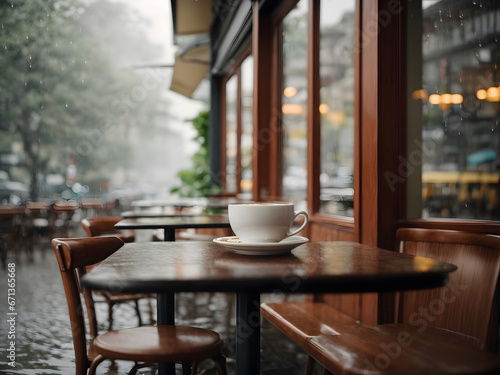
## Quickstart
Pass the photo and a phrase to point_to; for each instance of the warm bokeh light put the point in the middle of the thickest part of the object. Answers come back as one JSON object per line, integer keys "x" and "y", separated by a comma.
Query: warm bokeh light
{"x": 481, "y": 94}
{"x": 446, "y": 99}
{"x": 420, "y": 95}
{"x": 290, "y": 91}
{"x": 457, "y": 99}
{"x": 323, "y": 109}
{"x": 336, "y": 117}
{"x": 291, "y": 109}
{"x": 246, "y": 185}
{"x": 434, "y": 99}
{"x": 493, "y": 94}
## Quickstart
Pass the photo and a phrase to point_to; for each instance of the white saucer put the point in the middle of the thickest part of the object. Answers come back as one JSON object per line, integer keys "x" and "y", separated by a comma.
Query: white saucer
{"x": 270, "y": 248}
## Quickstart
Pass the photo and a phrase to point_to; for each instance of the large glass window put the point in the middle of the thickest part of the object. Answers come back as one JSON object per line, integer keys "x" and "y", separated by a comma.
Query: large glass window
{"x": 231, "y": 132}
{"x": 239, "y": 129}
{"x": 456, "y": 102}
{"x": 337, "y": 106}
{"x": 294, "y": 103}
{"x": 246, "y": 125}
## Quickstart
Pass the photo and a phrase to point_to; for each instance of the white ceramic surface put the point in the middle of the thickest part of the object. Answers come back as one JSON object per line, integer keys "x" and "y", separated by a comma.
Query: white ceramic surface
{"x": 264, "y": 222}
{"x": 272, "y": 248}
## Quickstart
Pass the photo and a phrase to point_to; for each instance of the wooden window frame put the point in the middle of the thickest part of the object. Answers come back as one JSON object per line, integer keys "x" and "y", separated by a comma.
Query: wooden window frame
{"x": 270, "y": 176}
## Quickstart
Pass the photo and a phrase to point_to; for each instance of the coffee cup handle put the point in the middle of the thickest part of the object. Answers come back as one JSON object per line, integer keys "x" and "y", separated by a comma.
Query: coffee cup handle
{"x": 306, "y": 216}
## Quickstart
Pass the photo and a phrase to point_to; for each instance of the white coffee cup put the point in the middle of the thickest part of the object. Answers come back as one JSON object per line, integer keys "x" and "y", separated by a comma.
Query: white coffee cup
{"x": 264, "y": 222}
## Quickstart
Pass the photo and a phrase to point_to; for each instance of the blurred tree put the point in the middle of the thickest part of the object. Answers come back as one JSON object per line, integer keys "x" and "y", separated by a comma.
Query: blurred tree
{"x": 62, "y": 94}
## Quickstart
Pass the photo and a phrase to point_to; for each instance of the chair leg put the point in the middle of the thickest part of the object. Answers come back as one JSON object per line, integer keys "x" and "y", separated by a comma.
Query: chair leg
{"x": 138, "y": 366}
{"x": 150, "y": 310}
{"x": 96, "y": 362}
{"x": 309, "y": 365}
{"x": 186, "y": 368}
{"x": 138, "y": 312}
{"x": 110, "y": 315}
{"x": 194, "y": 369}
{"x": 220, "y": 363}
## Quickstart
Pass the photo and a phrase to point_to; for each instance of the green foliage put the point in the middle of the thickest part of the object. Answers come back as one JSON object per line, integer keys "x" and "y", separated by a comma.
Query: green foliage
{"x": 196, "y": 182}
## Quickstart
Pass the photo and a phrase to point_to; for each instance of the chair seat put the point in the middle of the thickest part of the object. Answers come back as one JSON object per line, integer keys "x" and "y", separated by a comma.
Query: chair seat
{"x": 159, "y": 344}
{"x": 398, "y": 349}
{"x": 302, "y": 320}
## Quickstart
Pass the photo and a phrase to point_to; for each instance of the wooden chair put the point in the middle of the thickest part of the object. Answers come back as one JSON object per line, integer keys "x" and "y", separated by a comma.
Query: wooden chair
{"x": 143, "y": 345}
{"x": 448, "y": 330}
{"x": 104, "y": 227}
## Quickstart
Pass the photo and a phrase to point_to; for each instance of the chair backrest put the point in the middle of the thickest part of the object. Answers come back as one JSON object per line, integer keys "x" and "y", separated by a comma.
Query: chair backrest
{"x": 74, "y": 255}
{"x": 468, "y": 306}
{"x": 98, "y": 226}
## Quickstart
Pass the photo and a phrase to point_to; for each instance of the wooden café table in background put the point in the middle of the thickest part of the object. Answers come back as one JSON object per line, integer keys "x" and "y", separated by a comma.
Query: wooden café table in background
{"x": 170, "y": 223}
{"x": 167, "y": 268}
{"x": 180, "y": 204}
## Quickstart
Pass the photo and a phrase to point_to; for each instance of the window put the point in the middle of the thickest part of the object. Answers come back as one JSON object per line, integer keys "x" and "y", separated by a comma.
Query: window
{"x": 454, "y": 104}
{"x": 246, "y": 125}
{"x": 337, "y": 106}
{"x": 231, "y": 129}
{"x": 239, "y": 129}
{"x": 294, "y": 103}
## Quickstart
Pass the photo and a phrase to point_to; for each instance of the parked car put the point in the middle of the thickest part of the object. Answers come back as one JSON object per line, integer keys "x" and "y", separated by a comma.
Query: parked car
{"x": 12, "y": 192}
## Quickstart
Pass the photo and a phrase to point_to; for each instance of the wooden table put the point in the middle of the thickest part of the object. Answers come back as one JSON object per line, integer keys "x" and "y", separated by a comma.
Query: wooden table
{"x": 328, "y": 267}
{"x": 170, "y": 223}
{"x": 181, "y": 203}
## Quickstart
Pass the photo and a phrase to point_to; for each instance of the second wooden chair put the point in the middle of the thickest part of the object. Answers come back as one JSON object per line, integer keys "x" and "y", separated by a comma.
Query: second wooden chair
{"x": 104, "y": 227}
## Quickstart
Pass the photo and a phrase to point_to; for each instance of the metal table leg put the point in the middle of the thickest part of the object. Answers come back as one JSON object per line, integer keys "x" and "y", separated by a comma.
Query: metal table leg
{"x": 248, "y": 333}
{"x": 169, "y": 234}
{"x": 165, "y": 307}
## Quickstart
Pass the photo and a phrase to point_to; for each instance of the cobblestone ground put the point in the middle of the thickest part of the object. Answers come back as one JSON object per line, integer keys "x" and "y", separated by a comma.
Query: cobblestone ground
{"x": 43, "y": 337}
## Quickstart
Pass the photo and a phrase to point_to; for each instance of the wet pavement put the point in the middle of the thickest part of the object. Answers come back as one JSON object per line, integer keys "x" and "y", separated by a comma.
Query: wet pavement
{"x": 43, "y": 343}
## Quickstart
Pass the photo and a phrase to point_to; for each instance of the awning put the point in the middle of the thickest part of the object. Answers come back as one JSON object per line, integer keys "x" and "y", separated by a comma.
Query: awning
{"x": 190, "y": 67}
{"x": 192, "y": 62}
{"x": 192, "y": 16}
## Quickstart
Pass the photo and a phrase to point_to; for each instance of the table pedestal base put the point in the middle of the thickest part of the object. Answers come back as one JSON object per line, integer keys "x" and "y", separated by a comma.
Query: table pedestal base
{"x": 248, "y": 333}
